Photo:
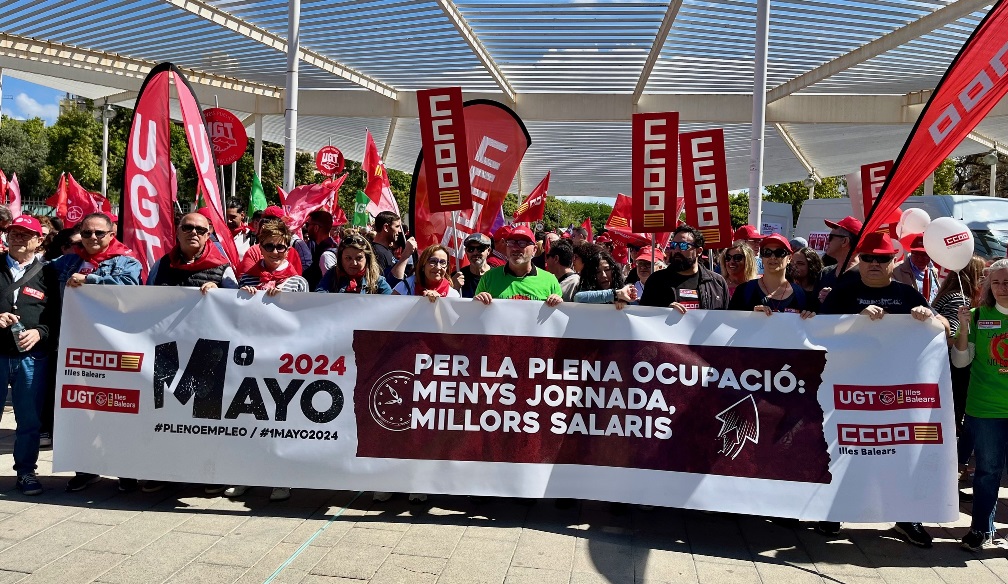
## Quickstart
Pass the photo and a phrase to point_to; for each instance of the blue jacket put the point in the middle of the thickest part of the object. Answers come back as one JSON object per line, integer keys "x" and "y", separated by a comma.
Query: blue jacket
{"x": 122, "y": 270}
{"x": 329, "y": 284}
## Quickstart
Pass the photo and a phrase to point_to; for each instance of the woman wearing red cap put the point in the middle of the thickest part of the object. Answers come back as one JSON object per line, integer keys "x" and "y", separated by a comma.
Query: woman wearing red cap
{"x": 771, "y": 292}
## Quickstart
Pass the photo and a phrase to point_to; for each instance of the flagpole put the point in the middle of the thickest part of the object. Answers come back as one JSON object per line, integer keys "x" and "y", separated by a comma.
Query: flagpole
{"x": 222, "y": 180}
{"x": 653, "y": 243}
{"x": 454, "y": 216}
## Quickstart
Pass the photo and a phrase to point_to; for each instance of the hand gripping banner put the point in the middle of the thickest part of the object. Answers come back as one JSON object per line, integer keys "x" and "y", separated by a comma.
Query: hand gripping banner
{"x": 496, "y": 140}
{"x": 146, "y": 213}
{"x": 975, "y": 82}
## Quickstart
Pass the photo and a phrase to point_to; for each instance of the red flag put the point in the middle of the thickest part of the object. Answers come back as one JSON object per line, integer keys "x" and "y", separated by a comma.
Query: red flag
{"x": 443, "y": 143}
{"x": 282, "y": 195}
{"x": 618, "y": 225}
{"x": 975, "y": 82}
{"x": 14, "y": 201}
{"x": 80, "y": 202}
{"x": 496, "y": 140}
{"x": 705, "y": 186}
{"x": 588, "y": 227}
{"x": 3, "y": 186}
{"x": 654, "y": 167}
{"x": 58, "y": 199}
{"x": 535, "y": 205}
{"x": 378, "y": 187}
{"x": 304, "y": 199}
{"x": 338, "y": 216}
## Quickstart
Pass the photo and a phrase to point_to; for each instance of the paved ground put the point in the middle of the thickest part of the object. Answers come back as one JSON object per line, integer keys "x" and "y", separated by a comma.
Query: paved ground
{"x": 325, "y": 537}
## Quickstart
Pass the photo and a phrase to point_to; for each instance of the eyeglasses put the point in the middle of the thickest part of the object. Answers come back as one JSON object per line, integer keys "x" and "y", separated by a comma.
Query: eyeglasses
{"x": 87, "y": 233}
{"x": 437, "y": 263}
{"x": 871, "y": 258}
{"x": 518, "y": 243}
{"x": 779, "y": 253}
{"x": 681, "y": 245}
{"x": 21, "y": 234}
{"x": 833, "y": 236}
{"x": 475, "y": 248}
{"x": 738, "y": 257}
{"x": 189, "y": 228}
{"x": 274, "y": 247}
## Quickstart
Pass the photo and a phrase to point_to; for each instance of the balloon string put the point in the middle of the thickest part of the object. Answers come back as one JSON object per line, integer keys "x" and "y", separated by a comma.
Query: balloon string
{"x": 968, "y": 301}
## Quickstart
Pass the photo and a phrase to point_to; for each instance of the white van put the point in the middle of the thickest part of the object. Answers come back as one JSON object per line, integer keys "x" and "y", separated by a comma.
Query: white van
{"x": 777, "y": 218}
{"x": 986, "y": 217}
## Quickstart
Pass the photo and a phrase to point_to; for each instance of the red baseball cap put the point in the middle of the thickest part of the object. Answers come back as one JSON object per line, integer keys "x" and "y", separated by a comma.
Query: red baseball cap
{"x": 776, "y": 238}
{"x": 205, "y": 211}
{"x": 645, "y": 254}
{"x": 603, "y": 239}
{"x": 27, "y": 222}
{"x": 746, "y": 232}
{"x": 877, "y": 243}
{"x": 848, "y": 223}
{"x": 273, "y": 211}
{"x": 520, "y": 233}
{"x": 502, "y": 232}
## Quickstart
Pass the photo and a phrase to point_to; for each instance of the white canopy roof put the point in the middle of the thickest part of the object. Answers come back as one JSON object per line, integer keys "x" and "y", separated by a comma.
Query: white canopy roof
{"x": 847, "y": 77}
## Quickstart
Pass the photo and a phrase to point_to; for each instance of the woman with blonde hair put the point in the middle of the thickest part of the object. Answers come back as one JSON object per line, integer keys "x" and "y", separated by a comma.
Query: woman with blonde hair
{"x": 738, "y": 265}
{"x": 356, "y": 270}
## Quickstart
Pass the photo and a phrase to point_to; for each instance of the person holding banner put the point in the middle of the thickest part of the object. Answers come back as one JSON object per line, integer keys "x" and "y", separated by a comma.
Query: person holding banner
{"x": 477, "y": 248}
{"x": 193, "y": 261}
{"x": 357, "y": 271}
{"x": 100, "y": 259}
{"x": 738, "y": 265}
{"x": 30, "y": 300}
{"x": 685, "y": 284}
{"x": 559, "y": 262}
{"x": 771, "y": 292}
{"x": 431, "y": 279}
{"x": 274, "y": 272}
{"x": 518, "y": 278}
{"x": 871, "y": 291}
{"x": 601, "y": 282}
{"x": 986, "y": 399}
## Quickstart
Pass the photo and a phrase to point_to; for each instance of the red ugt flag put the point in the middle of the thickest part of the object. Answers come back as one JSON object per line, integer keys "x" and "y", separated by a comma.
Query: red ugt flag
{"x": 378, "y": 187}
{"x": 535, "y": 205}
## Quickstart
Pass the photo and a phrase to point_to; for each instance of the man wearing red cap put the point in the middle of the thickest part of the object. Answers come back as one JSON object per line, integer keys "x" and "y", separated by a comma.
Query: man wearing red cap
{"x": 519, "y": 279}
{"x": 872, "y": 292}
{"x": 26, "y": 299}
{"x": 499, "y": 252}
{"x": 842, "y": 239}
{"x": 917, "y": 270}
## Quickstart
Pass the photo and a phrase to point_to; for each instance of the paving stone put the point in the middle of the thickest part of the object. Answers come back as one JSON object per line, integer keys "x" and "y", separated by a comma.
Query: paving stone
{"x": 136, "y": 533}
{"x": 726, "y": 573}
{"x": 375, "y": 537}
{"x": 670, "y": 563}
{"x": 970, "y": 572}
{"x": 295, "y": 571}
{"x": 332, "y": 533}
{"x": 352, "y": 560}
{"x": 435, "y": 541}
{"x": 544, "y": 550}
{"x": 908, "y": 574}
{"x": 33, "y": 553}
{"x": 7, "y": 577}
{"x": 317, "y": 579}
{"x": 478, "y": 561}
{"x": 234, "y": 550}
{"x": 77, "y": 566}
{"x": 160, "y": 559}
{"x": 203, "y": 573}
{"x": 612, "y": 559}
{"x": 400, "y": 569}
{"x": 521, "y": 575}
{"x": 509, "y": 533}
{"x": 33, "y": 520}
{"x": 790, "y": 573}
{"x": 210, "y": 523}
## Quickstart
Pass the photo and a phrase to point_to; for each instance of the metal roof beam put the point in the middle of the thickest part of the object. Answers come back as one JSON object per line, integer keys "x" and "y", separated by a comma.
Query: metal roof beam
{"x": 656, "y": 48}
{"x": 988, "y": 142}
{"x": 892, "y": 40}
{"x": 261, "y": 35}
{"x": 790, "y": 141}
{"x": 474, "y": 42}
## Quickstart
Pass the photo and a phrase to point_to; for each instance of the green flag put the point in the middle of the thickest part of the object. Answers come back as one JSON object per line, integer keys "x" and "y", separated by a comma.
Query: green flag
{"x": 360, "y": 216}
{"x": 257, "y": 200}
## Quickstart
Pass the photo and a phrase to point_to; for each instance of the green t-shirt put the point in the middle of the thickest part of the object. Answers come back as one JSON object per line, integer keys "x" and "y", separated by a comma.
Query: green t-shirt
{"x": 987, "y": 396}
{"x": 501, "y": 282}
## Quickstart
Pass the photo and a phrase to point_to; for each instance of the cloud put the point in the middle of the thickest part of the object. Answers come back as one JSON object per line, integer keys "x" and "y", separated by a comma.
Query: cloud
{"x": 29, "y": 108}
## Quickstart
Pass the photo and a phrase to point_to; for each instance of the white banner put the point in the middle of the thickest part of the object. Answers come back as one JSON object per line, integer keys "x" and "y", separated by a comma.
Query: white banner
{"x": 836, "y": 418}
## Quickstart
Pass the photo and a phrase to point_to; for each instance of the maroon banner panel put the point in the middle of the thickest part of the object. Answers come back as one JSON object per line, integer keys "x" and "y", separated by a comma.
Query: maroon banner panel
{"x": 443, "y": 140}
{"x": 148, "y": 214}
{"x": 731, "y": 411}
{"x": 873, "y": 176}
{"x": 974, "y": 83}
{"x": 654, "y": 164}
{"x": 705, "y": 186}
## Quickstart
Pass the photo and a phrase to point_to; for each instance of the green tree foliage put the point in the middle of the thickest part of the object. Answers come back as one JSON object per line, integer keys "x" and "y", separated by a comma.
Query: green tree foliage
{"x": 24, "y": 147}
{"x": 75, "y": 142}
{"x": 796, "y": 193}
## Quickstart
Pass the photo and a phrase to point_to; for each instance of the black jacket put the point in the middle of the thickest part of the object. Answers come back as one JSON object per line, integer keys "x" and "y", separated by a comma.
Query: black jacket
{"x": 38, "y": 304}
{"x": 712, "y": 290}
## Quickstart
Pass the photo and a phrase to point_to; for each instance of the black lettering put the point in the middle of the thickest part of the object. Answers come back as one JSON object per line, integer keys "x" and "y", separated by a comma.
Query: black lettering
{"x": 334, "y": 410}
{"x": 203, "y": 378}
{"x": 282, "y": 397}
{"x": 247, "y": 400}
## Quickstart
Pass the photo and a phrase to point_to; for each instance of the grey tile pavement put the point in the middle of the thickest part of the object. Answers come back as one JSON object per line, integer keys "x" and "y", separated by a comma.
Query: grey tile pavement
{"x": 183, "y": 535}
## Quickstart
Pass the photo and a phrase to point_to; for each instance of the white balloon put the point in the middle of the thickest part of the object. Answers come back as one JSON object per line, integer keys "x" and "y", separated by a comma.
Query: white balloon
{"x": 949, "y": 243}
{"x": 912, "y": 221}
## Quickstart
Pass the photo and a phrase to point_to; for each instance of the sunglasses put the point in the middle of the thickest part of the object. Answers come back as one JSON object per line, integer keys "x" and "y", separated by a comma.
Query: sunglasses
{"x": 833, "y": 236}
{"x": 681, "y": 245}
{"x": 780, "y": 253}
{"x": 519, "y": 243}
{"x": 189, "y": 228}
{"x": 475, "y": 248}
{"x": 871, "y": 258}
{"x": 87, "y": 233}
{"x": 738, "y": 257}
{"x": 274, "y": 247}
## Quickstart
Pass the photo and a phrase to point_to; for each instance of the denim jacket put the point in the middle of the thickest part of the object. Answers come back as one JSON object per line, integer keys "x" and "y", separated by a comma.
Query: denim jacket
{"x": 330, "y": 284}
{"x": 124, "y": 270}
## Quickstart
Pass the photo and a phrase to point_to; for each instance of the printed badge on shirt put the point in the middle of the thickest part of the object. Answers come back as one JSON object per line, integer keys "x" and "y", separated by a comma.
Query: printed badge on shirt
{"x": 86, "y": 268}
{"x": 29, "y": 291}
{"x": 988, "y": 324}
{"x": 689, "y": 298}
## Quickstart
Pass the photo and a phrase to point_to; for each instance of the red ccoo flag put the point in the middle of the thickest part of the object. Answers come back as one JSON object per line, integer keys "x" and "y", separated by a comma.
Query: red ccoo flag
{"x": 535, "y": 205}
{"x": 618, "y": 224}
{"x": 588, "y": 227}
{"x": 975, "y": 82}
{"x": 378, "y": 188}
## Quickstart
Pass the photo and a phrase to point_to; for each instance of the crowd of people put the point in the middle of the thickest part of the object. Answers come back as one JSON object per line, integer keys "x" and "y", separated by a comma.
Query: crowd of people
{"x": 767, "y": 274}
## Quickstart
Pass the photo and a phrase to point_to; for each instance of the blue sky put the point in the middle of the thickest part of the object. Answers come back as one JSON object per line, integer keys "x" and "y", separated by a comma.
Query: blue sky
{"x": 23, "y": 100}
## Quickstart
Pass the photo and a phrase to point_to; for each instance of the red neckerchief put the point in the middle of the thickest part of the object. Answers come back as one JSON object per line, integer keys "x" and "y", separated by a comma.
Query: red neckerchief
{"x": 210, "y": 258}
{"x": 238, "y": 230}
{"x": 442, "y": 288}
{"x": 114, "y": 249}
{"x": 268, "y": 279}
{"x": 356, "y": 281}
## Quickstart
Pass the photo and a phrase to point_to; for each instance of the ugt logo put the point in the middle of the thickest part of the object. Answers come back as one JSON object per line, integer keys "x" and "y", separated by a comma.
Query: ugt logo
{"x": 203, "y": 383}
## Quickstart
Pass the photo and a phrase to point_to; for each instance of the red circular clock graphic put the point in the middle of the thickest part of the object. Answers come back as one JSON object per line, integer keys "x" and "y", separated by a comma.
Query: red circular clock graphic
{"x": 390, "y": 402}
